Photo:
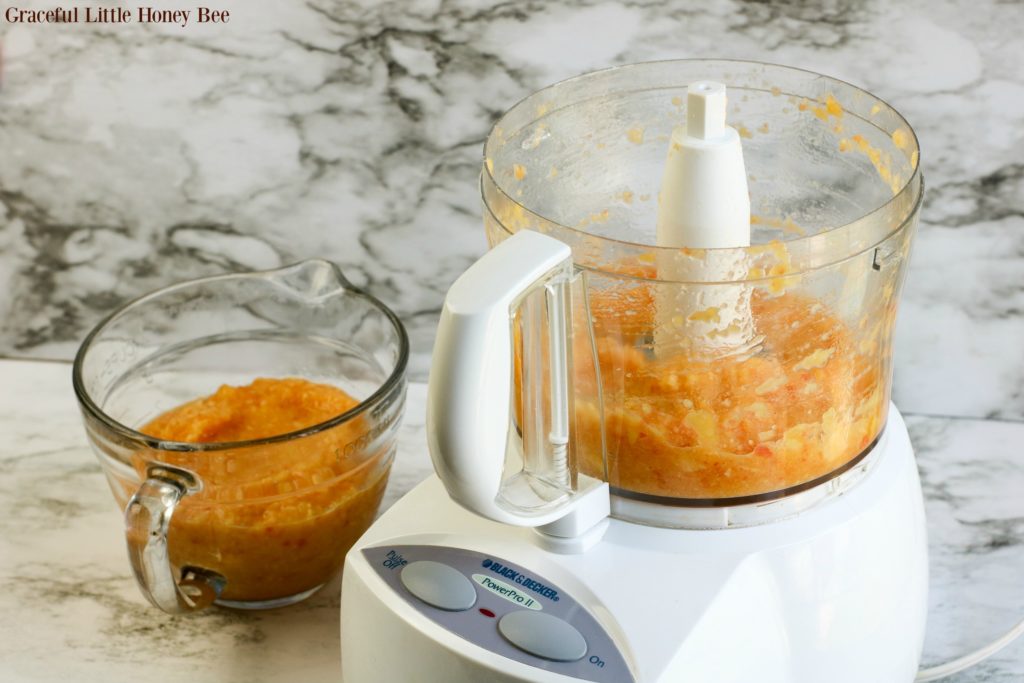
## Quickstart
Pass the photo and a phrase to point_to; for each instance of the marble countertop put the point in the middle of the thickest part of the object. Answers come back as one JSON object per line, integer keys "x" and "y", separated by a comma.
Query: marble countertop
{"x": 72, "y": 610}
{"x": 133, "y": 156}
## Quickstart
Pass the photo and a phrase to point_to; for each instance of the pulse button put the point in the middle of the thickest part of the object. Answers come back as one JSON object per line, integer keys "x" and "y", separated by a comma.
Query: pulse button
{"x": 439, "y": 585}
{"x": 543, "y": 635}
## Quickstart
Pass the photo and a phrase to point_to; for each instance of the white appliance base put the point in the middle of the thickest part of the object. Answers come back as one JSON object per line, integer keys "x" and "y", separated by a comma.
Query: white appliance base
{"x": 837, "y": 593}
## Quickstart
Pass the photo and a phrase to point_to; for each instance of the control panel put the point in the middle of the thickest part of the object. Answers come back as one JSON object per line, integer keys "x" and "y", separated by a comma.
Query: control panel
{"x": 502, "y": 607}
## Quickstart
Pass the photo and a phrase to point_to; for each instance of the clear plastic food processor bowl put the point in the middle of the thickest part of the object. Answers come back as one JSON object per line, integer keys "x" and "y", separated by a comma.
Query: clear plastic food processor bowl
{"x": 770, "y": 373}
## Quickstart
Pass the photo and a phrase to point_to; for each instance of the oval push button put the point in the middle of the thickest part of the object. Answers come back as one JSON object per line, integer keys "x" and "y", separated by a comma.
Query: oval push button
{"x": 439, "y": 585}
{"x": 543, "y": 635}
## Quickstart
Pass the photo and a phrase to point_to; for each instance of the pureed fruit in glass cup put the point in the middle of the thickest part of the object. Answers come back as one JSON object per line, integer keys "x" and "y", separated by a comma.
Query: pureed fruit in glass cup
{"x": 246, "y": 424}
{"x": 710, "y": 377}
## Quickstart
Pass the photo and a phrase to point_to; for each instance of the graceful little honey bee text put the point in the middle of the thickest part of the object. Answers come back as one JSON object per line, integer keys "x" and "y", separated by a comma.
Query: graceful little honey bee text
{"x": 117, "y": 15}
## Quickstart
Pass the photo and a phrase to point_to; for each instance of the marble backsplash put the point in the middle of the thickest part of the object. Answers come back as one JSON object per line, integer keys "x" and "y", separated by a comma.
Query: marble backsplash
{"x": 134, "y": 156}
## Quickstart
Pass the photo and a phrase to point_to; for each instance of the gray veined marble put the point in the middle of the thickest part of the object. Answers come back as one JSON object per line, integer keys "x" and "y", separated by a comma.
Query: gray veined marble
{"x": 132, "y": 156}
{"x": 72, "y": 611}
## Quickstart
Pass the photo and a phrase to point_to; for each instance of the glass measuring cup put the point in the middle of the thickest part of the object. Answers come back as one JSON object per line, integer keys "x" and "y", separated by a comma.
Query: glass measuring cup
{"x": 617, "y": 369}
{"x": 258, "y": 523}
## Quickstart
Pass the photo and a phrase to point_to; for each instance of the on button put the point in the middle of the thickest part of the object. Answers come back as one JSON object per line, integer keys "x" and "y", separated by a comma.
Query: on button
{"x": 543, "y": 635}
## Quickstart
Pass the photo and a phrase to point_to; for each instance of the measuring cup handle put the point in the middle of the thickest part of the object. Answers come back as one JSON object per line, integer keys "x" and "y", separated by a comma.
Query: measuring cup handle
{"x": 147, "y": 522}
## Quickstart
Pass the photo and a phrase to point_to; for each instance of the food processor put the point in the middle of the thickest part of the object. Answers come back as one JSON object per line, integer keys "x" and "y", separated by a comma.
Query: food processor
{"x": 659, "y": 407}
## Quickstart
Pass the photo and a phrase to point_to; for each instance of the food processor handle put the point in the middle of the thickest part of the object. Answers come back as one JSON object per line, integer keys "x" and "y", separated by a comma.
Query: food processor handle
{"x": 470, "y": 388}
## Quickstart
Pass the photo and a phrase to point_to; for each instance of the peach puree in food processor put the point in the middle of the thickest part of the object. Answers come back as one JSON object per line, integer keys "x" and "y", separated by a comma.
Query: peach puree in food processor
{"x": 808, "y": 400}
{"x": 809, "y": 396}
{"x": 275, "y": 519}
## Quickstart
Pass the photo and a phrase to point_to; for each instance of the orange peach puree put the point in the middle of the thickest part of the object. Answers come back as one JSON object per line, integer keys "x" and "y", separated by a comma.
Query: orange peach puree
{"x": 804, "y": 405}
{"x": 275, "y": 519}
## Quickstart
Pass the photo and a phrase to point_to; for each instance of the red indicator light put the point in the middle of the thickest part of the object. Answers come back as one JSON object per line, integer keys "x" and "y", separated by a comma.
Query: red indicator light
{"x": 486, "y": 612}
